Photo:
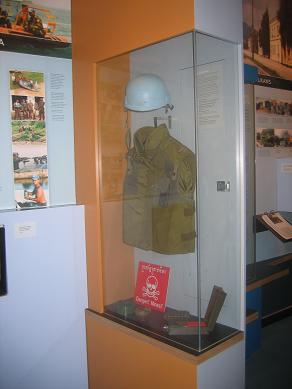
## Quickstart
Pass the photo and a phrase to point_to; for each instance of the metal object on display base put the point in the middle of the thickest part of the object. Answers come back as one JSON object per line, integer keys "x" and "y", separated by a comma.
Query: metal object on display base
{"x": 199, "y": 327}
{"x": 125, "y": 308}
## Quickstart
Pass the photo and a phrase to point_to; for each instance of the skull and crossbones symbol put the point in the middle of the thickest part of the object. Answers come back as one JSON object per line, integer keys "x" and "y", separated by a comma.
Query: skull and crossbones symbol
{"x": 151, "y": 288}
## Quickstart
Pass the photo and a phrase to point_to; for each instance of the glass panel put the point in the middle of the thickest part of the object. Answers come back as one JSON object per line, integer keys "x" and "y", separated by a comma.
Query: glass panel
{"x": 218, "y": 145}
{"x": 148, "y": 159}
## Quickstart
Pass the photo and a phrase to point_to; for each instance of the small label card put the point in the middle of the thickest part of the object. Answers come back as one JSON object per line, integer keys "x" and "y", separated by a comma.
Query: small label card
{"x": 25, "y": 230}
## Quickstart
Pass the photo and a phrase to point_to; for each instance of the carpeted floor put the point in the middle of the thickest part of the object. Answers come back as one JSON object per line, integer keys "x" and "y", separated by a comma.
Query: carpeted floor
{"x": 271, "y": 366}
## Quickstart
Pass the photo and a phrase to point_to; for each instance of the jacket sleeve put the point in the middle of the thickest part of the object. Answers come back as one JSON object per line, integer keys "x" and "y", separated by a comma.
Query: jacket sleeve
{"x": 187, "y": 174}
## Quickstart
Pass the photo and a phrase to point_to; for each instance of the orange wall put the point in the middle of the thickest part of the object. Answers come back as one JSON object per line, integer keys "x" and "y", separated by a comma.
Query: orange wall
{"x": 102, "y": 29}
{"x": 122, "y": 358}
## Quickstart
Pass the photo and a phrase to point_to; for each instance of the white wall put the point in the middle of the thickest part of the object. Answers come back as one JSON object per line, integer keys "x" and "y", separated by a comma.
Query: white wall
{"x": 284, "y": 184}
{"x": 273, "y": 185}
{"x": 222, "y": 18}
{"x": 42, "y": 325}
{"x": 269, "y": 246}
{"x": 224, "y": 371}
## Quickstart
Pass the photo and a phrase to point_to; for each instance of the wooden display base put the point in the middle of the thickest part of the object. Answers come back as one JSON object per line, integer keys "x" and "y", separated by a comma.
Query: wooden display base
{"x": 155, "y": 325}
{"x": 121, "y": 358}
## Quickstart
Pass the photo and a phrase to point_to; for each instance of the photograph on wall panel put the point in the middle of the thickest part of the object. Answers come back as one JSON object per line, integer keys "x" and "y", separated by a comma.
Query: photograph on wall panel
{"x": 29, "y": 139}
{"x": 273, "y": 137}
{"x": 36, "y": 27}
{"x": 267, "y": 40}
{"x": 273, "y": 122}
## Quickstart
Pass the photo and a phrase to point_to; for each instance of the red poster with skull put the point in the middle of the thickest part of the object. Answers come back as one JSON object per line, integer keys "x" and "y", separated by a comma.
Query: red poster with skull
{"x": 151, "y": 286}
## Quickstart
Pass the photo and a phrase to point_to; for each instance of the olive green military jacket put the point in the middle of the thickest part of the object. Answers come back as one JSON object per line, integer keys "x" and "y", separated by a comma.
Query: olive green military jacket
{"x": 158, "y": 203}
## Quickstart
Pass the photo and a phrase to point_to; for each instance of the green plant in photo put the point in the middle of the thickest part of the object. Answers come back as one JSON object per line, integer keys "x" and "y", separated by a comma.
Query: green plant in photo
{"x": 28, "y": 131}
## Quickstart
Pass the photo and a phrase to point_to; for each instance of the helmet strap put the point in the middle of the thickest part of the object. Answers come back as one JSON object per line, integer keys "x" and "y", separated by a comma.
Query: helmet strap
{"x": 168, "y": 107}
{"x": 128, "y": 136}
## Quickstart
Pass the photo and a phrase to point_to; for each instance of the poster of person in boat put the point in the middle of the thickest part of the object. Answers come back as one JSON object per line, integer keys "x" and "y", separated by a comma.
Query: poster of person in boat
{"x": 29, "y": 138}
{"x": 36, "y": 27}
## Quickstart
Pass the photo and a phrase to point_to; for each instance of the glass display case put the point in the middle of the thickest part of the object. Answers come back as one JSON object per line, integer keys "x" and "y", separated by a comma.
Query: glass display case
{"x": 170, "y": 160}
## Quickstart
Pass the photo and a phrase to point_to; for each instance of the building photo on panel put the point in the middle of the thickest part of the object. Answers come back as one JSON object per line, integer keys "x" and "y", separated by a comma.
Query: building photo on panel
{"x": 267, "y": 37}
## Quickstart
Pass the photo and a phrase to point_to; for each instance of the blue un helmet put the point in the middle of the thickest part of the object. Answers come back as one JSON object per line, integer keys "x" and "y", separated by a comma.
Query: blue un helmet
{"x": 146, "y": 92}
